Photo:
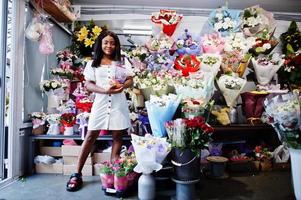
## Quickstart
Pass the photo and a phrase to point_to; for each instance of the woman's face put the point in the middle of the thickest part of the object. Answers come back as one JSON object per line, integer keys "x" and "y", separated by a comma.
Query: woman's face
{"x": 108, "y": 45}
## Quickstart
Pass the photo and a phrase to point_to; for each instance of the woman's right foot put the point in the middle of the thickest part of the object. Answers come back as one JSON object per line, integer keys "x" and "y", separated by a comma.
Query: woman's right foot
{"x": 75, "y": 182}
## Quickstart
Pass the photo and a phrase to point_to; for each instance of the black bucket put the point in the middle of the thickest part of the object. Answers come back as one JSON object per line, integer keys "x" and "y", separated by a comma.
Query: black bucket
{"x": 187, "y": 165}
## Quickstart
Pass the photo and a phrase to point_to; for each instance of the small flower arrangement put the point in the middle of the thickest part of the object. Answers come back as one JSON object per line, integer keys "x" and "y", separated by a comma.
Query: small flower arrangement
{"x": 186, "y": 44}
{"x": 38, "y": 120}
{"x": 262, "y": 153}
{"x": 159, "y": 44}
{"x": 187, "y": 64}
{"x": 192, "y": 82}
{"x": 84, "y": 104}
{"x": 68, "y": 119}
{"x": 193, "y": 107}
{"x": 68, "y": 73}
{"x": 147, "y": 79}
{"x": 264, "y": 44}
{"x": 238, "y": 42}
{"x": 291, "y": 70}
{"x": 256, "y": 19}
{"x": 231, "y": 61}
{"x": 232, "y": 84}
{"x": 139, "y": 52}
{"x": 84, "y": 38}
{"x": 38, "y": 115}
{"x": 213, "y": 43}
{"x": 48, "y": 85}
{"x": 224, "y": 20}
{"x": 53, "y": 118}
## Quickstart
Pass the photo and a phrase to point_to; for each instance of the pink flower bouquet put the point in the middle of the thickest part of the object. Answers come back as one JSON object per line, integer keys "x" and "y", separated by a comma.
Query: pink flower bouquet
{"x": 213, "y": 43}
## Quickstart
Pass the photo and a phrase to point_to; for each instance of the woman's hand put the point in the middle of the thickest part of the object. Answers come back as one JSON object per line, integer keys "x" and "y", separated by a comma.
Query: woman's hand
{"x": 115, "y": 90}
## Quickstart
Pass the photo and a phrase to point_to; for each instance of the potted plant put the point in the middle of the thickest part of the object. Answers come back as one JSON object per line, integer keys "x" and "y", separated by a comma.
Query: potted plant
{"x": 107, "y": 175}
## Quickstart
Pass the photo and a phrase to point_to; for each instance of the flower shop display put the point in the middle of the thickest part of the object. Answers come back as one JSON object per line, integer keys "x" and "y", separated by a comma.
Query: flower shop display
{"x": 266, "y": 67}
{"x": 211, "y": 63}
{"x": 167, "y": 19}
{"x": 187, "y": 64}
{"x": 256, "y": 19}
{"x": 38, "y": 121}
{"x": 84, "y": 38}
{"x": 160, "y": 110}
{"x": 54, "y": 124}
{"x": 231, "y": 86}
{"x": 187, "y": 44}
{"x": 213, "y": 43}
{"x": 68, "y": 120}
{"x": 224, "y": 20}
{"x": 252, "y": 104}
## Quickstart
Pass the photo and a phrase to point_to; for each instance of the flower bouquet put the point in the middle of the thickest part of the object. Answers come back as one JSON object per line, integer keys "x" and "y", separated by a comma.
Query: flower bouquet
{"x": 235, "y": 62}
{"x": 168, "y": 19}
{"x": 159, "y": 44}
{"x": 264, "y": 44}
{"x": 54, "y": 124}
{"x": 266, "y": 67}
{"x": 224, "y": 20}
{"x": 38, "y": 121}
{"x": 68, "y": 120}
{"x": 193, "y": 107}
{"x": 84, "y": 38}
{"x": 80, "y": 92}
{"x": 252, "y": 104}
{"x": 291, "y": 39}
{"x": 186, "y": 44}
{"x": 231, "y": 86}
{"x": 107, "y": 175}
{"x": 187, "y": 64}
{"x": 238, "y": 42}
{"x": 283, "y": 112}
{"x": 64, "y": 73}
{"x": 197, "y": 86}
{"x": 291, "y": 70}
{"x": 160, "y": 110}
{"x": 256, "y": 19}
{"x": 211, "y": 63}
{"x": 213, "y": 43}
{"x": 138, "y": 57}
{"x": 55, "y": 92}
{"x": 264, "y": 156}
{"x": 84, "y": 104}
{"x": 160, "y": 61}
{"x": 82, "y": 120}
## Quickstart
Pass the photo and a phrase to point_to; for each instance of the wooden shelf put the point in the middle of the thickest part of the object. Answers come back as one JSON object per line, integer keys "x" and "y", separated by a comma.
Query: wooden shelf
{"x": 243, "y": 127}
{"x": 51, "y": 8}
{"x": 75, "y": 137}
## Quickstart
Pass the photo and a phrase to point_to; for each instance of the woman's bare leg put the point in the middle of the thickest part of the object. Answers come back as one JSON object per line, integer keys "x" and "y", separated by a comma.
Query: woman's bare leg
{"x": 117, "y": 143}
{"x": 86, "y": 149}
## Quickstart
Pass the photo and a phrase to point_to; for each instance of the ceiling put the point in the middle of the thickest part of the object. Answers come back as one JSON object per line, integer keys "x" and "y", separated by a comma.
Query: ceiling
{"x": 270, "y": 5}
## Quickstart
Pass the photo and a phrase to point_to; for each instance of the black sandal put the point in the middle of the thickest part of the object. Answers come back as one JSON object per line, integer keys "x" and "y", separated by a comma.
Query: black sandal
{"x": 74, "y": 184}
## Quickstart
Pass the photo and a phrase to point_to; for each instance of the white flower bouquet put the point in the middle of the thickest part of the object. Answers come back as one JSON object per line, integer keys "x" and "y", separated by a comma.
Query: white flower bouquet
{"x": 237, "y": 41}
{"x": 266, "y": 67}
{"x": 256, "y": 19}
{"x": 160, "y": 43}
{"x": 54, "y": 124}
{"x": 211, "y": 63}
{"x": 231, "y": 87}
{"x": 55, "y": 92}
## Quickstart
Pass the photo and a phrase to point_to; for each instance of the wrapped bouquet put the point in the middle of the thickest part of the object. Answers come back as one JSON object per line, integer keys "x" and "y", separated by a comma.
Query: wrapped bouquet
{"x": 161, "y": 110}
{"x": 213, "y": 43}
{"x": 266, "y": 67}
{"x": 235, "y": 62}
{"x": 187, "y": 64}
{"x": 211, "y": 63}
{"x": 187, "y": 44}
{"x": 231, "y": 87}
{"x": 159, "y": 44}
{"x": 54, "y": 124}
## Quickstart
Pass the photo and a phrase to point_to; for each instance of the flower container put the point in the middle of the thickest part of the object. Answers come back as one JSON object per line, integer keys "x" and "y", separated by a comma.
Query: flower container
{"x": 120, "y": 183}
{"x": 39, "y": 130}
{"x": 54, "y": 129}
{"x": 107, "y": 180}
{"x": 187, "y": 165}
{"x": 131, "y": 178}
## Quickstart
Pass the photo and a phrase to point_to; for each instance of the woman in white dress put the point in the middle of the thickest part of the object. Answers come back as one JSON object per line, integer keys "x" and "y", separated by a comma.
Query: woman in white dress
{"x": 107, "y": 76}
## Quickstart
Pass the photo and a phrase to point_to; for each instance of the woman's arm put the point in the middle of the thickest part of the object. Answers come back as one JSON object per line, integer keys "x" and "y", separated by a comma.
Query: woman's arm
{"x": 92, "y": 87}
{"x": 128, "y": 82}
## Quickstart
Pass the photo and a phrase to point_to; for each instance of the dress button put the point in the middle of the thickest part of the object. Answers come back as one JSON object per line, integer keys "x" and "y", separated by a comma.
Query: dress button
{"x": 109, "y": 100}
{"x": 110, "y": 95}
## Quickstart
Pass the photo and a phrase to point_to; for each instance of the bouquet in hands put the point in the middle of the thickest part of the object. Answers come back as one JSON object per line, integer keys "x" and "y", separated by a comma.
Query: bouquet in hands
{"x": 266, "y": 67}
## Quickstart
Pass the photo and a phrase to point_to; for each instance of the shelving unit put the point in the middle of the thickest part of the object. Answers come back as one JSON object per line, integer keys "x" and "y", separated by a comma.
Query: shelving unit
{"x": 52, "y": 9}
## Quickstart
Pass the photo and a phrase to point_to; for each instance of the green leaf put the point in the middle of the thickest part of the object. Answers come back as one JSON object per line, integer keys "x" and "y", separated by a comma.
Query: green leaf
{"x": 289, "y": 48}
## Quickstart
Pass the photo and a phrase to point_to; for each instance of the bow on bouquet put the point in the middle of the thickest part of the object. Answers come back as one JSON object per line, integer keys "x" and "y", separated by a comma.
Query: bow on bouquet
{"x": 266, "y": 67}
{"x": 224, "y": 20}
{"x": 187, "y": 44}
{"x": 213, "y": 43}
{"x": 187, "y": 64}
{"x": 168, "y": 19}
{"x": 231, "y": 87}
{"x": 256, "y": 19}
